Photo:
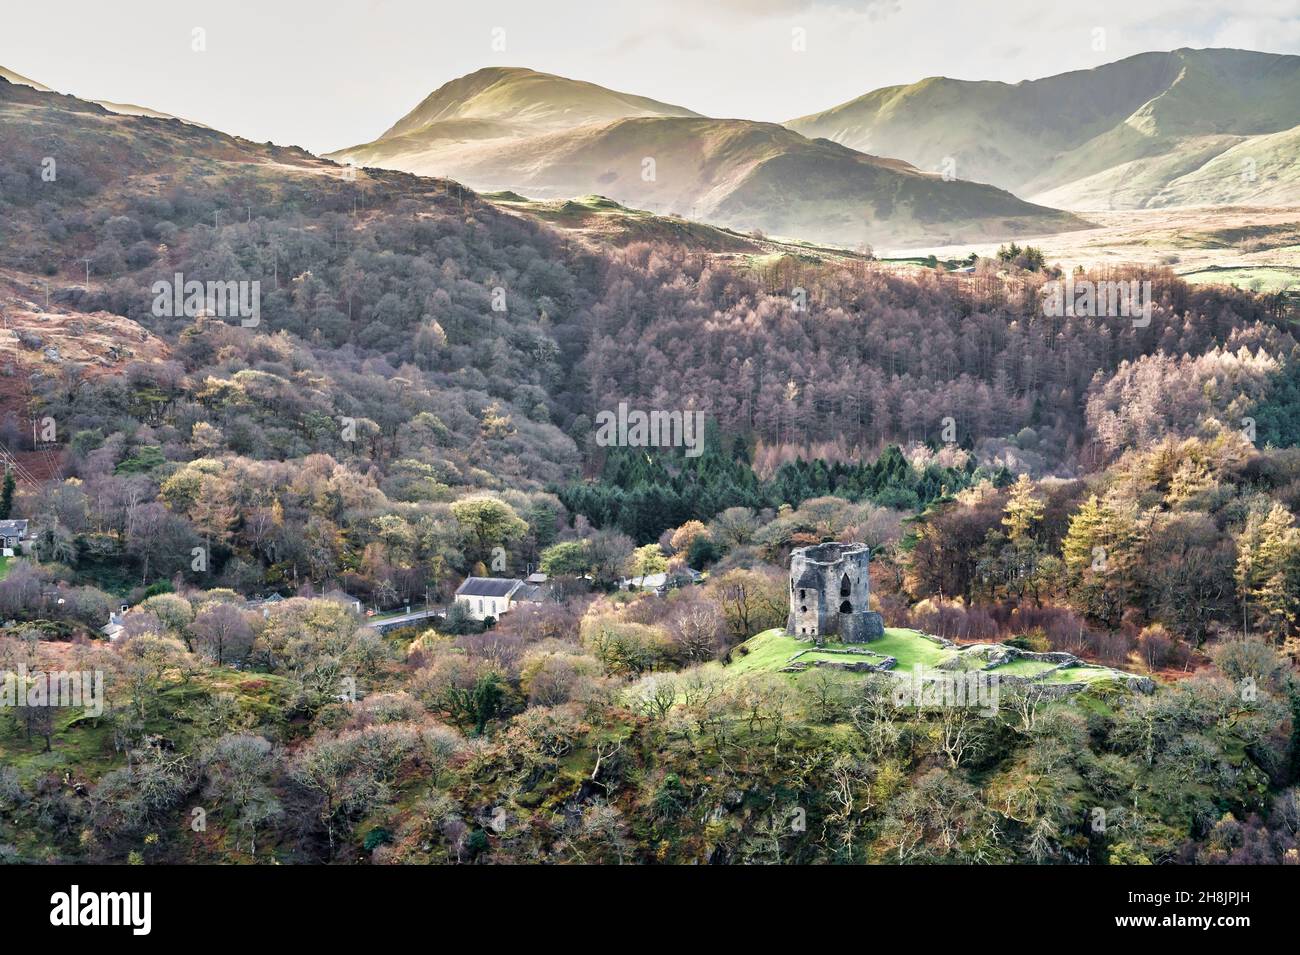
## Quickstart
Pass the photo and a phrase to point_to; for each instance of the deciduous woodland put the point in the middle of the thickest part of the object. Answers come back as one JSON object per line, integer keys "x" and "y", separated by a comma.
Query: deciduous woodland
{"x": 416, "y": 406}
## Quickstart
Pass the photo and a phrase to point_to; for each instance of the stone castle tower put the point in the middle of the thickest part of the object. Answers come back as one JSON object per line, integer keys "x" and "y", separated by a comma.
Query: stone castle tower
{"x": 829, "y": 588}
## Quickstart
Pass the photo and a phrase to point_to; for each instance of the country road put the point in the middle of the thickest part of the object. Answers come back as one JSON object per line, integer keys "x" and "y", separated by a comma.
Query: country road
{"x": 401, "y": 620}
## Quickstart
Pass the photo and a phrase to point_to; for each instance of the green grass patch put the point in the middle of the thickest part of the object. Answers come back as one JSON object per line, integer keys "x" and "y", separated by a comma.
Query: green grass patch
{"x": 84, "y": 744}
{"x": 4, "y": 567}
{"x": 910, "y": 648}
{"x": 840, "y": 657}
{"x": 767, "y": 652}
{"x": 1023, "y": 668}
{"x": 771, "y": 650}
{"x": 81, "y": 744}
{"x": 1083, "y": 674}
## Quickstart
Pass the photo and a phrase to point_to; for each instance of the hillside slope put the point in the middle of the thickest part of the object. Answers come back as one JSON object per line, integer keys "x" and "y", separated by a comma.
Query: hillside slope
{"x": 1143, "y": 131}
{"x": 526, "y": 100}
{"x": 123, "y": 109}
{"x": 138, "y": 200}
{"x": 504, "y": 134}
{"x": 495, "y": 107}
{"x": 17, "y": 79}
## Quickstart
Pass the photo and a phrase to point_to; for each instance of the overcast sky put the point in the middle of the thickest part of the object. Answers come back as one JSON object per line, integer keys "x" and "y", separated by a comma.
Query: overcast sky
{"x": 326, "y": 74}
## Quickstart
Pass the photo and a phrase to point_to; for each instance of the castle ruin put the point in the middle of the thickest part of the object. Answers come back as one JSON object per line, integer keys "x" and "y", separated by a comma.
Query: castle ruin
{"x": 829, "y": 590}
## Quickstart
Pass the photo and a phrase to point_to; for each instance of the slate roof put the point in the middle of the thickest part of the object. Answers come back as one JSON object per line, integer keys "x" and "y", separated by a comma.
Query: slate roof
{"x": 487, "y": 587}
{"x": 530, "y": 594}
{"x": 648, "y": 582}
{"x": 14, "y": 528}
{"x": 343, "y": 595}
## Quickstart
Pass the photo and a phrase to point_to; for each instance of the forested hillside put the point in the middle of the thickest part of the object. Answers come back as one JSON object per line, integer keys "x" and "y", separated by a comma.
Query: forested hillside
{"x": 416, "y": 403}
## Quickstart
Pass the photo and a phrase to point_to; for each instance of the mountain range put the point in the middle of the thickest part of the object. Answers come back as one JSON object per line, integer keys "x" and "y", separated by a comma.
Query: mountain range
{"x": 551, "y": 137}
{"x": 1158, "y": 129}
{"x": 936, "y": 162}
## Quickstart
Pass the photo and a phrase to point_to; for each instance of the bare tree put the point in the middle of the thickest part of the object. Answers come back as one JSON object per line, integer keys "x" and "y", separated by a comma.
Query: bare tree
{"x": 222, "y": 634}
{"x": 697, "y": 625}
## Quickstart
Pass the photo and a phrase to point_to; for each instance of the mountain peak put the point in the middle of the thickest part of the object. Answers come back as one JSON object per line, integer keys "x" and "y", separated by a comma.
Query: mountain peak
{"x": 517, "y": 95}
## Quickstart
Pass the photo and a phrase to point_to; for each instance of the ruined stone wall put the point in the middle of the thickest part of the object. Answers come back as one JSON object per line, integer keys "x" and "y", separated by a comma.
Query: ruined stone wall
{"x": 830, "y": 589}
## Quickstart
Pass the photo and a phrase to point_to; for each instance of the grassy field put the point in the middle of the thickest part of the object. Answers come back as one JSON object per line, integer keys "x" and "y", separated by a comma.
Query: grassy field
{"x": 767, "y": 651}
{"x": 1023, "y": 668}
{"x": 1257, "y": 278}
{"x": 4, "y": 567}
{"x": 910, "y": 647}
{"x": 771, "y": 650}
{"x": 840, "y": 658}
{"x": 1083, "y": 675}
{"x": 1200, "y": 244}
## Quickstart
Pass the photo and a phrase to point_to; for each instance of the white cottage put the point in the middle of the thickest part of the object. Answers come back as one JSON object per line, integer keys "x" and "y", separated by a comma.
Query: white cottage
{"x": 493, "y": 596}
{"x": 15, "y": 539}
